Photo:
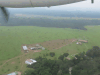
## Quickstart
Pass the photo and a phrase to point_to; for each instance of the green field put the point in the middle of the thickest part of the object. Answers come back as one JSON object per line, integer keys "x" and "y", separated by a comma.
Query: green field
{"x": 12, "y": 37}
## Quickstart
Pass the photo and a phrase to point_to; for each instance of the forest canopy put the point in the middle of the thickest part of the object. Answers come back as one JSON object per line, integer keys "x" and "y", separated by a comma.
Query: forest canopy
{"x": 76, "y": 23}
{"x": 87, "y": 63}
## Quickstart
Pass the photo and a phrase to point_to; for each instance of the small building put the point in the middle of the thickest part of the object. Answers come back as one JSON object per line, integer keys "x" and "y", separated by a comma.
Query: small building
{"x": 33, "y": 48}
{"x": 30, "y": 61}
{"x": 43, "y": 48}
{"x": 13, "y": 73}
{"x": 40, "y": 47}
{"x": 25, "y": 48}
{"x": 79, "y": 43}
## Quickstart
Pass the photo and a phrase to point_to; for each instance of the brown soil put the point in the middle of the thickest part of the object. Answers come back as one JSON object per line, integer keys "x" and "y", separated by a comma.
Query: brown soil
{"x": 19, "y": 73}
{"x": 67, "y": 58}
{"x": 54, "y": 44}
{"x": 13, "y": 63}
{"x": 37, "y": 50}
{"x": 50, "y": 45}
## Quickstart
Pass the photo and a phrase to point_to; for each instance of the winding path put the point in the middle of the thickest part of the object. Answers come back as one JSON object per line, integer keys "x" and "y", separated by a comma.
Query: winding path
{"x": 10, "y": 59}
{"x": 66, "y": 44}
{"x": 27, "y": 53}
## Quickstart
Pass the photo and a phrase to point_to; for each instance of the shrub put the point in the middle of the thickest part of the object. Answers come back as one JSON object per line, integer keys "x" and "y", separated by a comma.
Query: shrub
{"x": 52, "y": 54}
{"x": 61, "y": 57}
{"x": 65, "y": 54}
{"x": 8, "y": 69}
{"x": 47, "y": 54}
{"x": 16, "y": 67}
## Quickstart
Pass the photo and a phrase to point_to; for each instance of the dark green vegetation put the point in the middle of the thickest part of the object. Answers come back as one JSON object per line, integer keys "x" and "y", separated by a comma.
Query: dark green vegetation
{"x": 12, "y": 38}
{"x": 52, "y": 54}
{"x": 62, "y": 56}
{"x": 49, "y": 21}
{"x": 86, "y": 64}
{"x": 22, "y": 30}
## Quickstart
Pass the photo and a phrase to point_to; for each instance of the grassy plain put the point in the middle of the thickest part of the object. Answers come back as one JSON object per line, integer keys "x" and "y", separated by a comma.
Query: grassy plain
{"x": 13, "y": 37}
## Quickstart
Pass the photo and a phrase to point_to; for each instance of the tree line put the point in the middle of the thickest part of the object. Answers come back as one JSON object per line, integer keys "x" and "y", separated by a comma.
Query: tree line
{"x": 49, "y": 22}
{"x": 87, "y": 63}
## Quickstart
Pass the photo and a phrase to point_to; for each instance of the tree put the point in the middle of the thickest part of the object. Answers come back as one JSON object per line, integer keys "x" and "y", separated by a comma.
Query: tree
{"x": 95, "y": 52}
{"x": 52, "y": 54}
{"x": 65, "y": 54}
{"x": 29, "y": 72}
{"x": 61, "y": 57}
{"x": 8, "y": 69}
{"x": 46, "y": 66}
{"x": 83, "y": 65}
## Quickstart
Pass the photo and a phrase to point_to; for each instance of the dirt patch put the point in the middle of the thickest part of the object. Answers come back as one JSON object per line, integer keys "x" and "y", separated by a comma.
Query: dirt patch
{"x": 19, "y": 73}
{"x": 56, "y": 44}
{"x": 13, "y": 63}
{"x": 68, "y": 58}
{"x": 50, "y": 45}
{"x": 11, "y": 59}
{"x": 37, "y": 50}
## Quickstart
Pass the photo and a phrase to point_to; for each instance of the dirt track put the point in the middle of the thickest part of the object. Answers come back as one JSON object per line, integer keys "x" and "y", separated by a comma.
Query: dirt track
{"x": 54, "y": 44}
{"x": 11, "y": 59}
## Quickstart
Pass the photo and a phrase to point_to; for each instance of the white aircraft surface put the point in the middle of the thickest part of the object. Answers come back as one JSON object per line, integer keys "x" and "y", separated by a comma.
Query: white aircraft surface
{"x": 31, "y": 3}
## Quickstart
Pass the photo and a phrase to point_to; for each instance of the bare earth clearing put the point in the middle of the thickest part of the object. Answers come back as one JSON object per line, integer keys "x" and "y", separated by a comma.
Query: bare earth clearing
{"x": 50, "y": 45}
{"x": 13, "y": 63}
{"x": 54, "y": 44}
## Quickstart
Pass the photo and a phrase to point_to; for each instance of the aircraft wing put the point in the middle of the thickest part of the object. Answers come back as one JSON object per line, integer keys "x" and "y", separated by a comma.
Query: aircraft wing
{"x": 48, "y": 3}
{"x": 31, "y": 3}
{"x": 34, "y": 3}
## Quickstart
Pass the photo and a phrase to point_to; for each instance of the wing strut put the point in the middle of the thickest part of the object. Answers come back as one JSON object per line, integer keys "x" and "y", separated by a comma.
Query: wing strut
{"x": 5, "y": 13}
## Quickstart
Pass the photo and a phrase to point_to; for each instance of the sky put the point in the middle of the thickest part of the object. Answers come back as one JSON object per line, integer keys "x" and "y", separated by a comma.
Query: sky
{"x": 82, "y": 6}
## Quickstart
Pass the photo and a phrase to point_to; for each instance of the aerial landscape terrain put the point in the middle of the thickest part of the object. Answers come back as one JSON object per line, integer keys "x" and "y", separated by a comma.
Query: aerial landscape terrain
{"x": 68, "y": 40}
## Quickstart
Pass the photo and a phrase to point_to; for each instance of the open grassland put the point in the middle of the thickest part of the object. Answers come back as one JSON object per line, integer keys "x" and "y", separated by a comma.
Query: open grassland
{"x": 12, "y": 38}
